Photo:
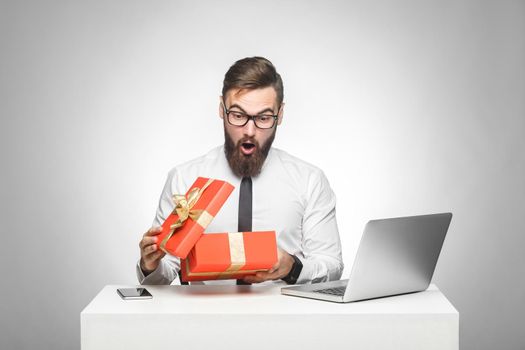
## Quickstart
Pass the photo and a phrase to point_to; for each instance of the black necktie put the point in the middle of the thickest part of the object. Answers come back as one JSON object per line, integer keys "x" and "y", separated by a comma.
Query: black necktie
{"x": 245, "y": 210}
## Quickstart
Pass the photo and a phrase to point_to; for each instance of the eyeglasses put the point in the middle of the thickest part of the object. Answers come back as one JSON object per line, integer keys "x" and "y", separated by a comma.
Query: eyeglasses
{"x": 238, "y": 118}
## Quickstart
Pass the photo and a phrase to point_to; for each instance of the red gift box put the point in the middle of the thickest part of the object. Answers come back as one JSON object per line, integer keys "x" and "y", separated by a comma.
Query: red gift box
{"x": 230, "y": 256}
{"x": 192, "y": 214}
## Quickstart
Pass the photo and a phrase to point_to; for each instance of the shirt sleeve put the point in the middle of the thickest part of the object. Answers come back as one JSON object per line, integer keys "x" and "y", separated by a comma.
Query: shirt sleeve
{"x": 321, "y": 246}
{"x": 169, "y": 265}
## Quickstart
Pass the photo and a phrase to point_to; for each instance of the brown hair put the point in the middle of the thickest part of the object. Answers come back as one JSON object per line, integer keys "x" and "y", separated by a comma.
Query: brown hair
{"x": 253, "y": 73}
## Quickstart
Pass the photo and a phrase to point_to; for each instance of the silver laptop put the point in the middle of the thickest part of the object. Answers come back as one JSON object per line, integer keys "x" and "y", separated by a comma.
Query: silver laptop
{"x": 395, "y": 256}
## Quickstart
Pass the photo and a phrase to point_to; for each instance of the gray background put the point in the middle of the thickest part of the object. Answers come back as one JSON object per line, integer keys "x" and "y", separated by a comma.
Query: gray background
{"x": 409, "y": 107}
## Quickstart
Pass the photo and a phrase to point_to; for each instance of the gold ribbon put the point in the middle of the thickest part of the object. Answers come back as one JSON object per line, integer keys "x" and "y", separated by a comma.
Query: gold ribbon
{"x": 237, "y": 253}
{"x": 183, "y": 208}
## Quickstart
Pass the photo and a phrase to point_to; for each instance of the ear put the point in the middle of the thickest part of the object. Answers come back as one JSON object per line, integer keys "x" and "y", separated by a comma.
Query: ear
{"x": 221, "y": 107}
{"x": 280, "y": 114}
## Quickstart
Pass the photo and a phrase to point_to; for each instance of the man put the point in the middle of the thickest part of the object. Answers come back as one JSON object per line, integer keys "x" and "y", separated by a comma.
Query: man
{"x": 281, "y": 192}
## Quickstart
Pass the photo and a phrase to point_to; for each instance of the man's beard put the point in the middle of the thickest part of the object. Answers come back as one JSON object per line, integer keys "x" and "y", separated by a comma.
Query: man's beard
{"x": 246, "y": 165}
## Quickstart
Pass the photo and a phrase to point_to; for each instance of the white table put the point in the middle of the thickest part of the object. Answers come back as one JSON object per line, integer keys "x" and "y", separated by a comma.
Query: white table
{"x": 259, "y": 317}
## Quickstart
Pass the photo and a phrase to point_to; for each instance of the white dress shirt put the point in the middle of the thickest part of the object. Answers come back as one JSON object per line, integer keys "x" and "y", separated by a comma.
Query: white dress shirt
{"x": 290, "y": 196}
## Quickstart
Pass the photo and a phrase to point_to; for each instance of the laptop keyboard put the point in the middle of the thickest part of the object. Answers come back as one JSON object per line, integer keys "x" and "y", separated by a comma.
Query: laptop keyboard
{"x": 339, "y": 291}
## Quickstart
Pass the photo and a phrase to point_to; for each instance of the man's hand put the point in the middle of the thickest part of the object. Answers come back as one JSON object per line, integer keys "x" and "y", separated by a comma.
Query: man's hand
{"x": 150, "y": 254}
{"x": 279, "y": 270}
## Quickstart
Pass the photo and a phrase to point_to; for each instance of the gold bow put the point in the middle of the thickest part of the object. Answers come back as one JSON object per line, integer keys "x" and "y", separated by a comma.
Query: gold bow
{"x": 183, "y": 208}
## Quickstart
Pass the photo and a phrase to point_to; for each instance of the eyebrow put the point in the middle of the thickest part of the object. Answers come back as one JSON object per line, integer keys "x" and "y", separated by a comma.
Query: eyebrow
{"x": 260, "y": 112}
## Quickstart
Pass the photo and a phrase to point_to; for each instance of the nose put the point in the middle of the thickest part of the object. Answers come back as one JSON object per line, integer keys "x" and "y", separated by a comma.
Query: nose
{"x": 249, "y": 128}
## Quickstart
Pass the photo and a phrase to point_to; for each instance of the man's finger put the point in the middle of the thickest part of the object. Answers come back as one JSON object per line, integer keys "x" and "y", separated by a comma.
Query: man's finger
{"x": 274, "y": 268}
{"x": 259, "y": 277}
{"x": 153, "y": 231}
{"x": 262, "y": 274}
{"x": 156, "y": 255}
{"x": 252, "y": 279}
{"x": 147, "y": 240}
{"x": 149, "y": 249}
{"x": 270, "y": 275}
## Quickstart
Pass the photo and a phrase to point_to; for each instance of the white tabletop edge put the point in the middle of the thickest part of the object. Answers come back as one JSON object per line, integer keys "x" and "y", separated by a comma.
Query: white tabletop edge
{"x": 240, "y": 300}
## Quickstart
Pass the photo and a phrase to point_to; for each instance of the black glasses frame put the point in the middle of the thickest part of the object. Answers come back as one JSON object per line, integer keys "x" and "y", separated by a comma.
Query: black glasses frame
{"x": 250, "y": 117}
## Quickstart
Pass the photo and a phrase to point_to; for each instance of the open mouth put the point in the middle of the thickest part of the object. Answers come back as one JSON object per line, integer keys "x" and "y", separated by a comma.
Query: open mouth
{"x": 247, "y": 148}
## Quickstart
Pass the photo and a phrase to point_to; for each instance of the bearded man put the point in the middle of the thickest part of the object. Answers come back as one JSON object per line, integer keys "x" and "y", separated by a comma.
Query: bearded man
{"x": 273, "y": 190}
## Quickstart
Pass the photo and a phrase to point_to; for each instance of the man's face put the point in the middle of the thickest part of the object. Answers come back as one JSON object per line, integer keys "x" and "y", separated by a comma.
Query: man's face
{"x": 247, "y": 146}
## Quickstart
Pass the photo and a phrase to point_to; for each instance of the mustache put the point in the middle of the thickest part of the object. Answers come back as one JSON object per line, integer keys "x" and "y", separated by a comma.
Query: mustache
{"x": 248, "y": 139}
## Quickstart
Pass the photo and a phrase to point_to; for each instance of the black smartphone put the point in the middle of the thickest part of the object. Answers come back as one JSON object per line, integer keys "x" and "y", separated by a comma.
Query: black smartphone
{"x": 134, "y": 293}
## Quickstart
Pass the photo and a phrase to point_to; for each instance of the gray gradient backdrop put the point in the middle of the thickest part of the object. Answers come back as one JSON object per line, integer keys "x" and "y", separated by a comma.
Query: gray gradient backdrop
{"x": 410, "y": 107}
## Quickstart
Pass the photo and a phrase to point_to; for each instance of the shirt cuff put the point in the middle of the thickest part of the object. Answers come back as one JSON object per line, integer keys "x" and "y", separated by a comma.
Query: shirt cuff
{"x": 158, "y": 276}
{"x": 316, "y": 270}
